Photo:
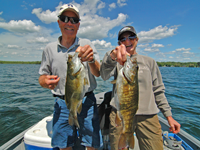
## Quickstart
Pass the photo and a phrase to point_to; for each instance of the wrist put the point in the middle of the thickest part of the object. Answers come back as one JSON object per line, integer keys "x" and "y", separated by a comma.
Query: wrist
{"x": 111, "y": 55}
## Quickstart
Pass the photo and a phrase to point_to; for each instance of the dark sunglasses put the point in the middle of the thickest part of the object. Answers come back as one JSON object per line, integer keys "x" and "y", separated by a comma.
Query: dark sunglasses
{"x": 131, "y": 37}
{"x": 66, "y": 19}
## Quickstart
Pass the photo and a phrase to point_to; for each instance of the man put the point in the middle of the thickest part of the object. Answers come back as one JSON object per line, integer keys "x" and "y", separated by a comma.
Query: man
{"x": 151, "y": 93}
{"x": 53, "y": 76}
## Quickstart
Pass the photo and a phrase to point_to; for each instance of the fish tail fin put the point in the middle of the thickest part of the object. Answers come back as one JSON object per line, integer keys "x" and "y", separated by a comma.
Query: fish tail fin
{"x": 76, "y": 122}
{"x": 131, "y": 140}
{"x": 122, "y": 141}
{"x": 73, "y": 120}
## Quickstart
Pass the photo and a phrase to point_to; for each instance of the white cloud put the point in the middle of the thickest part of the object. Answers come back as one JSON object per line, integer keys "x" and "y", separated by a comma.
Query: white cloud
{"x": 112, "y": 6}
{"x": 46, "y": 16}
{"x": 143, "y": 45}
{"x": 187, "y": 52}
{"x": 13, "y": 46}
{"x": 18, "y": 45}
{"x": 96, "y": 27}
{"x": 92, "y": 26}
{"x": 157, "y": 45}
{"x": 14, "y": 53}
{"x": 151, "y": 49}
{"x": 101, "y": 5}
{"x": 102, "y": 47}
{"x": 183, "y": 49}
{"x": 38, "y": 40}
{"x": 121, "y": 3}
{"x": 20, "y": 26}
{"x": 102, "y": 44}
{"x": 157, "y": 33}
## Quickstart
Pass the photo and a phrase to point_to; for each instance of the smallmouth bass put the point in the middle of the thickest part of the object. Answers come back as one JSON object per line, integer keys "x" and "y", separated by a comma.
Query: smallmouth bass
{"x": 126, "y": 100}
{"x": 75, "y": 87}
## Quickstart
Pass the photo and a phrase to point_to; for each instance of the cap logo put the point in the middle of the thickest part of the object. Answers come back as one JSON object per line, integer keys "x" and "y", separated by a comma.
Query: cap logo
{"x": 126, "y": 28}
{"x": 69, "y": 5}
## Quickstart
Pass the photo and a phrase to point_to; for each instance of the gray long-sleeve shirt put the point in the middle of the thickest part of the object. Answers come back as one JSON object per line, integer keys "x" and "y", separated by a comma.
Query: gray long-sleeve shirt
{"x": 151, "y": 88}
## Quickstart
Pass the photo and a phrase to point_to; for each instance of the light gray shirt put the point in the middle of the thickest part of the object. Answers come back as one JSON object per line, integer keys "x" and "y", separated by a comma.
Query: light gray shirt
{"x": 54, "y": 62}
{"x": 151, "y": 88}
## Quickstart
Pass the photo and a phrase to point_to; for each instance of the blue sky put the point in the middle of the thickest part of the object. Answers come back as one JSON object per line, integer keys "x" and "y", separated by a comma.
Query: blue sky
{"x": 168, "y": 30}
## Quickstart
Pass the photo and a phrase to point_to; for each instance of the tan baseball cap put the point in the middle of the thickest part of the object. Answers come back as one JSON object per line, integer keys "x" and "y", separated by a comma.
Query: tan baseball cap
{"x": 69, "y": 7}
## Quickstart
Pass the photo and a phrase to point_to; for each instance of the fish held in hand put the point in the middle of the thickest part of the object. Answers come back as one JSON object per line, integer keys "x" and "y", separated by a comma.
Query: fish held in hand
{"x": 126, "y": 100}
{"x": 75, "y": 87}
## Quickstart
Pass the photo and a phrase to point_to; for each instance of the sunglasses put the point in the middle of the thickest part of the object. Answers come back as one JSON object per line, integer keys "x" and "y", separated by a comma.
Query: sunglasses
{"x": 131, "y": 37}
{"x": 66, "y": 19}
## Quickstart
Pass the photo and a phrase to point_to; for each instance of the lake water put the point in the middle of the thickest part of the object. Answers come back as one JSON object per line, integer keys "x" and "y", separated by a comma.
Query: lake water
{"x": 23, "y": 102}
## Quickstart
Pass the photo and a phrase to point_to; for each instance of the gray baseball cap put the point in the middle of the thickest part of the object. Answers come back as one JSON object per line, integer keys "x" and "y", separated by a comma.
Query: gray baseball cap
{"x": 126, "y": 29}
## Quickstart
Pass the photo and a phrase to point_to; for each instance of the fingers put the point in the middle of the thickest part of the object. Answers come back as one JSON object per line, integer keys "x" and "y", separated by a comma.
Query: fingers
{"x": 174, "y": 126}
{"x": 85, "y": 53}
{"x": 52, "y": 81}
{"x": 119, "y": 54}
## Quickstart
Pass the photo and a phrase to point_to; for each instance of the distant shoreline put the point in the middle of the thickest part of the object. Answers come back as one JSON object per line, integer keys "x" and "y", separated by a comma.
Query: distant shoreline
{"x": 160, "y": 64}
{"x": 20, "y": 62}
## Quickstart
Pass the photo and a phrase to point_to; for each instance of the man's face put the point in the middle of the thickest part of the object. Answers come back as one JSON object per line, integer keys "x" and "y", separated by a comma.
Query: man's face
{"x": 130, "y": 41}
{"x": 68, "y": 29}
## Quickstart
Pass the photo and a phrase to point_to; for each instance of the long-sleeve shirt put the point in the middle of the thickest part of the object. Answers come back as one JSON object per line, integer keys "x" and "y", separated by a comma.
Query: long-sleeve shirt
{"x": 151, "y": 87}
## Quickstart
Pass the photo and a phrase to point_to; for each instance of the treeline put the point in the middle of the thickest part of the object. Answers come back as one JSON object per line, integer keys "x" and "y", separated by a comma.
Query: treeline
{"x": 160, "y": 64}
{"x": 178, "y": 64}
{"x": 20, "y": 62}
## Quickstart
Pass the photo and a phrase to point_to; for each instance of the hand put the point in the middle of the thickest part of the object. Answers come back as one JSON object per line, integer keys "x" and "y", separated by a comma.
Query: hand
{"x": 174, "y": 125}
{"x": 85, "y": 53}
{"x": 49, "y": 81}
{"x": 119, "y": 54}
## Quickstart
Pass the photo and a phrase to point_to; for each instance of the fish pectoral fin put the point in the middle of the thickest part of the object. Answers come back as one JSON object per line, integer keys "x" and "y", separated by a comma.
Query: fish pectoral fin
{"x": 131, "y": 141}
{"x": 113, "y": 81}
{"x": 118, "y": 120}
{"x": 79, "y": 108}
{"x": 122, "y": 141}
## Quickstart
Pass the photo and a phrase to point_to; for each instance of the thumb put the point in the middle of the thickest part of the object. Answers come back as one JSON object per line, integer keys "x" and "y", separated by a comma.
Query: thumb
{"x": 78, "y": 49}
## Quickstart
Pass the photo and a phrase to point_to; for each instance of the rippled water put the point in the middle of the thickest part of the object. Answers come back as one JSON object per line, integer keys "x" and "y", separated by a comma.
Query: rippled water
{"x": 23, "y": 102}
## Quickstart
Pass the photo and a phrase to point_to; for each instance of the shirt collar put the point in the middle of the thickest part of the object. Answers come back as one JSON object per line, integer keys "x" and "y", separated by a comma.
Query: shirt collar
{"x": 72, "y": 46}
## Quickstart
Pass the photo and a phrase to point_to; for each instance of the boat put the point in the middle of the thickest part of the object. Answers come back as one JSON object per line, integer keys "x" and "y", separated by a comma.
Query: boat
{"x": 38, "y": 136}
